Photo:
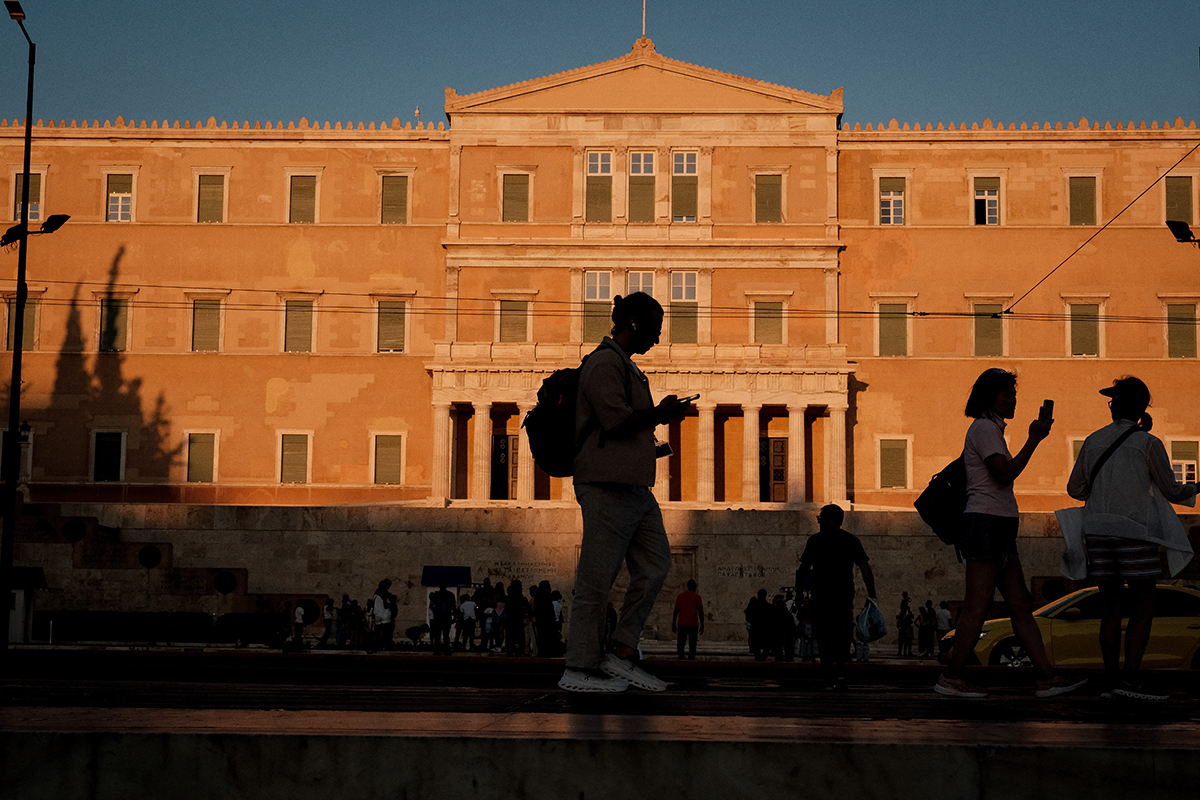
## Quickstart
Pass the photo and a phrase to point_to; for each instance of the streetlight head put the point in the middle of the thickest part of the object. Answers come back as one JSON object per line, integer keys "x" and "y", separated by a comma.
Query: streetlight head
{"x": 54, "y": 222}
{"x": 1181, "y": 231}
{"x": 14, "y": 10}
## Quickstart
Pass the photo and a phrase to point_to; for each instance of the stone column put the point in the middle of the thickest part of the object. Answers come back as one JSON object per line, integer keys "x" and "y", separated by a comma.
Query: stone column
{"x": 481, "y": 457}
{"x": 525, "y": 471}
{"x": 440, "y": 469}
{"x": 662, "y": 467}
{"x": 796, "y": 450}
{"x": 751, "y": 481}
{"x": 706, "y": 446}
{"x": 835, "y": 476}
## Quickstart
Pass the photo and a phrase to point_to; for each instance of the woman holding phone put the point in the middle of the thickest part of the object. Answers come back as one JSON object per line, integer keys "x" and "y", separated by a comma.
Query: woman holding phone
{"x": 988, "y": 543}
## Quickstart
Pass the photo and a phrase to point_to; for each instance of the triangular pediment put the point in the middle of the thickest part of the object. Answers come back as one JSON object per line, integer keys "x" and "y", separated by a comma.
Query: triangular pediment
{"x": 643, "y": 81}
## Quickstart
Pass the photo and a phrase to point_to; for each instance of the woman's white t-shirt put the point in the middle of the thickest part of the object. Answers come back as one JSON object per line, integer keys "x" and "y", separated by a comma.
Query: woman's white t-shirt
{"x": 985, "y": 495}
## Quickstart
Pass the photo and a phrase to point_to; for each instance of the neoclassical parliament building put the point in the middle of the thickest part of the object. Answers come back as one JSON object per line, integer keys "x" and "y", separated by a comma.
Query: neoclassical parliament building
{"x": 319, "y": 314}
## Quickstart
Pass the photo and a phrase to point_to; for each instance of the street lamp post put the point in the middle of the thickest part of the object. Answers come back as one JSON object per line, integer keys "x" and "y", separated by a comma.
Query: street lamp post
{"x": 12, "y": 445}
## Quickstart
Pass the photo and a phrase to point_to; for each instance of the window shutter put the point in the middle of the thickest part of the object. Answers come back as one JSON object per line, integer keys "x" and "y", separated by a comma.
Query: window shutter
{"x": 391, "y": 326}
{"x": 1085, "y": 329}
{"x": 1076, "y": 449}
{"x": 303, "y": 207}
{"x": 683, "y": 195}
{"x": 1185, "y": 451}
{"x": 1083, "y": 201}
{"x": 206, "y": 325}
{"x": 768, "y": 198}
{"x": 768, "y": 323}
{"x": 114, "y": 324}
{"x": 388, "y": 450}
{"x": 986, "y": 184}
{"x": 395, "y": 200}
{"x": 1179, "y": 198}
{"x": 516, "y": 198}
{"x": 597, "y": 320}
{"x": 683, "y": 323}
{"x": 202, "y": 449}
{"x": 513, "y": 315}
{"x": 293, "y": 465}
{"x": 211, "y": 201}
{"x": 1181, "y": 330}
{"x": 599, "y": 199}
{"x": 891, "y": 184}
{"x": 893, "y": 463}
{"x": 35, "y": 191}
{"x": 119, "y": 184}
{"x": 107, "y": 464}
{"x": 893, "y": 329}
{"x": 28, "y": 324}
{"x": 641, "y": 198}
{"x": 297, "y": 334}
{"x": 989, "y": 330}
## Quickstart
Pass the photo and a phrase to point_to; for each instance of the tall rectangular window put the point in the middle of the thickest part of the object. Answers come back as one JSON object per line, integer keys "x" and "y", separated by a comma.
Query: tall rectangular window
{"x": 1179, "y": 198}
{"x": 684, "y": 308}
{"x": 120, "y": 198}
{"x": 1082, "y": 199}
{"x": 893, "y": 329}
{"x": 597, "y": 305}
{"x": 684, "y": 187}
{"x": 28, "y": 325}
{"x": 599, "y": 187}
{"x": 1181, "y": 330}
{"x": 298, "y": 326}
{"x": 389, "y": 459}
{"x": 768, "y": 323}
{"x": 1085, "y": 329}
{"x": 391, "y": 326}
{"x": 201, "y": 457}
{"x": 1184, "y": 457}
{"x": 641, "y": 282}
{"x": 768, "y": 198}
{"x": 108, "y": 456}
{"x": 514, "y": 321}
{"x": 35, "y": 196}
{"x": 516, "y": 199}
{"x": 293, "y": 458}
{"x": 114, "y": 324}
{"x": 893, "y": 463}
{"x": 891, "y": 201}
{"x": 302, "y": 199}
{"x": 641, "y": 187}
{"x": 989, "y": 329}
{"x": 206, "y": 326}
{"x": 987, "y": 201}
{"x": 395, "y": 200}
{"x": 210, "y": 198}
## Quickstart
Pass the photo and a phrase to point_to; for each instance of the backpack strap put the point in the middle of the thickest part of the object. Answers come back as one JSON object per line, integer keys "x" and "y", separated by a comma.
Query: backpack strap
{"x": 1112, "y": 448}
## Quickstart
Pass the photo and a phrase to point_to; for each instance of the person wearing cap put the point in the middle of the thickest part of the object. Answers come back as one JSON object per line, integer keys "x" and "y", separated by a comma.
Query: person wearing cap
{"x": 1126, "y": 519}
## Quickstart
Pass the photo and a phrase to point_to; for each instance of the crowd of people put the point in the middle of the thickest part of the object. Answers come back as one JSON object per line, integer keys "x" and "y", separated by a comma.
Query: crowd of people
{"x": 489, "y": 618}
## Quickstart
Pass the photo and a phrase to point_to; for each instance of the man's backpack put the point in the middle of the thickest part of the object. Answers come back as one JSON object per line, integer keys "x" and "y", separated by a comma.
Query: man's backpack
{"x": 942, "y": 503}
{"x": 550, "y": 425}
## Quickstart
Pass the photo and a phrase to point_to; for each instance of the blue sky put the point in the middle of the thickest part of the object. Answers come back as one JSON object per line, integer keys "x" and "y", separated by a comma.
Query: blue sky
{"x": 1054, "y": 60}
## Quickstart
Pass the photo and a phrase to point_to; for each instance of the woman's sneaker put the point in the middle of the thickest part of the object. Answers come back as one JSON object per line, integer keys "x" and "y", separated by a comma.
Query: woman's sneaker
{"x": 631, "y": 671}
{"x": 1055, "y": 686}
{"x": 957, "y": 687}
{"x": 576, "y": 680}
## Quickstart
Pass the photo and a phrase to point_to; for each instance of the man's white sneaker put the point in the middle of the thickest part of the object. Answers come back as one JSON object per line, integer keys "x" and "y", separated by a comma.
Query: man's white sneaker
{"x": 576, "y": 680}
{"x": 633, "y": 673}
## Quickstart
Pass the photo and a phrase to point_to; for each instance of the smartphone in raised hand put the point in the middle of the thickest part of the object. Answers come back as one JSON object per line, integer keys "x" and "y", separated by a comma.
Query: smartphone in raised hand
{"x": 1047, "y": 411}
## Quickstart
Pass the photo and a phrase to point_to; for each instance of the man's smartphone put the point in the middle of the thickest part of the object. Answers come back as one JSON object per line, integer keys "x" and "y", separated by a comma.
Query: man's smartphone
{"x": 1047, "y": 411}
{"x": 689, "y": 398}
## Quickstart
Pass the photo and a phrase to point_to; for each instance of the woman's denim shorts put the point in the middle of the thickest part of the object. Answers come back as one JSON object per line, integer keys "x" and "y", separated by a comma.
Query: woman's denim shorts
{"x": 986, "y": 537}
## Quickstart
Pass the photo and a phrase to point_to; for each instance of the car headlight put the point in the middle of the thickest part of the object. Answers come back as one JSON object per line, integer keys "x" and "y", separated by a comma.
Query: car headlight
{"x": 982, "y": 634}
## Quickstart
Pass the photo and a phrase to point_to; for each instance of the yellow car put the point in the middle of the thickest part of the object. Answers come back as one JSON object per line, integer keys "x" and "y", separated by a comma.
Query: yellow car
{"x": 1071, "y": 632}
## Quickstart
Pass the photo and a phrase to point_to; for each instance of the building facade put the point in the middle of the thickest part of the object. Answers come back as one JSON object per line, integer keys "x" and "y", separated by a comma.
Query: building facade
{"x": 320, "y": 314}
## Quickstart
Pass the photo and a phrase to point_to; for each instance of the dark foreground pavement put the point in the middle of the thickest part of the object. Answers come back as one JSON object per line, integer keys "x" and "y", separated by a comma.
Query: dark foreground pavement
{"x": 179, "y": 724}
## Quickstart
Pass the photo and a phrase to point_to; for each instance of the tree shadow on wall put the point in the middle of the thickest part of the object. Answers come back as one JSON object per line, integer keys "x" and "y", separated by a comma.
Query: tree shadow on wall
{"x": 92, "y": 396}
